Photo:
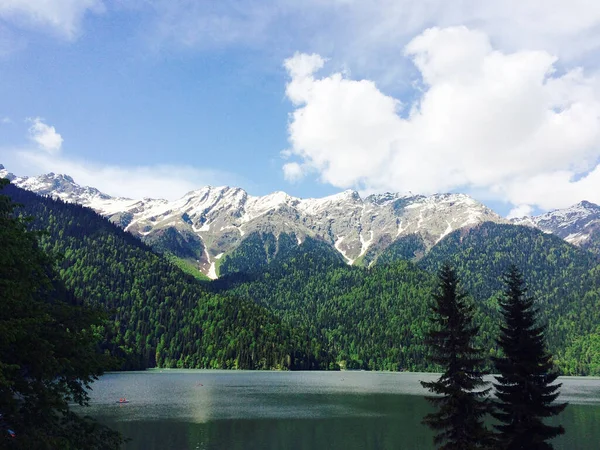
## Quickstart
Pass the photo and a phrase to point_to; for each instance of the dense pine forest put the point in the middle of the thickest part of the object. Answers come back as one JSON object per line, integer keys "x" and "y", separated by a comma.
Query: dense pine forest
{"x": 303, "y": 307}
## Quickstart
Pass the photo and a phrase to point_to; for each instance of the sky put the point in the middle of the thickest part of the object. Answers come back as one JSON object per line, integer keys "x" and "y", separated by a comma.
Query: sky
{"x": 154, "y": 98}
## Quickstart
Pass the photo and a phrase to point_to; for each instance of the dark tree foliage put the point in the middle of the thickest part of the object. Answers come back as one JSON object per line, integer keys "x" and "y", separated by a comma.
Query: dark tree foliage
{"x": 409, "y": 247}
{"x": 462, "y": 397}
{"x": 525, "y": 390}
{"x": 482, "y": 254}
{"x": 180, "y": 243}
{"x": 48, "y": 349}
{"x": 256, "y": 252}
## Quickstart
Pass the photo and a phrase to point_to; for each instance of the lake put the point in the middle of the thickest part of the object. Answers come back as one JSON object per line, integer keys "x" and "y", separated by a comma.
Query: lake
{"x": 202, "y": 409}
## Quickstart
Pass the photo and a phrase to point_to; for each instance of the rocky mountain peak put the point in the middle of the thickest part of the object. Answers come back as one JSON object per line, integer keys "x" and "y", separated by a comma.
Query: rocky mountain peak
{"x": 382, "y": 199}
{"x": 6, "y": 174}
{"x": 579, "y": 224}
{"x": 589, "y": 206}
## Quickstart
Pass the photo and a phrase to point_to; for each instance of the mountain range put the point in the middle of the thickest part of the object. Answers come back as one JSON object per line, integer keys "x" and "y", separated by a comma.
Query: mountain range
{"x": 206, "y": 226}
{"x": 284, "y": 305}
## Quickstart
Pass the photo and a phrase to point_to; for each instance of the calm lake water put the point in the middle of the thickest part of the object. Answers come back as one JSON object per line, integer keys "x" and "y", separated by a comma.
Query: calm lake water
{"x": 196, "y": 409}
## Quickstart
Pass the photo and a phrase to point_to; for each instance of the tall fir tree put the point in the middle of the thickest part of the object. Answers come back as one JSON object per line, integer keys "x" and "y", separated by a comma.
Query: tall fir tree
{"x": 462, "y": 396}
{"x": 525, "y": 390}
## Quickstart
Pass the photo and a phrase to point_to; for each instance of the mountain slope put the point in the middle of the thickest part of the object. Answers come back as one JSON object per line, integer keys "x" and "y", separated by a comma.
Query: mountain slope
{"x": 306, "y": 308}
{"x": 375, "y": 318}
{"x": 160, "y": 316}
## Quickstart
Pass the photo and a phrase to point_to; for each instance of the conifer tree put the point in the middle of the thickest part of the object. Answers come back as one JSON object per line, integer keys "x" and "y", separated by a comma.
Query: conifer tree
{"x": 524, "y": 387}
{"x": 462, "y": 400}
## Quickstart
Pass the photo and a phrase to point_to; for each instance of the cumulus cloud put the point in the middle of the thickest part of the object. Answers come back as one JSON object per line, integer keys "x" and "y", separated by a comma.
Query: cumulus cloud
{"x": 568, "y": 29}
{"x": 505, "y": 123}
{"x": 156, "y": 181}
{"x": 45, "y": 136}
{"x": 62, "y": 16}
{"x": 303, "y": 65}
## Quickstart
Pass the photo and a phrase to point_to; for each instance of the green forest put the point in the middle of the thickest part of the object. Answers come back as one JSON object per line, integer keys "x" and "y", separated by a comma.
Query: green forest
{"x": 159, "y": 315}
{"x": 302, "y": 307}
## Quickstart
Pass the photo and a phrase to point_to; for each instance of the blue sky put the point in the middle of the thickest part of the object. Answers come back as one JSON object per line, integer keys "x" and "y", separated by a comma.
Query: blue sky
{"x": 156, "y": 97}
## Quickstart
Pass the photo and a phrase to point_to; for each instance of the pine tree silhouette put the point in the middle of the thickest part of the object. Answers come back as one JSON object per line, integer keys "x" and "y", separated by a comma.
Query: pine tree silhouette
{"x": 524, "y": 387}
{"x": 462, "y": 400}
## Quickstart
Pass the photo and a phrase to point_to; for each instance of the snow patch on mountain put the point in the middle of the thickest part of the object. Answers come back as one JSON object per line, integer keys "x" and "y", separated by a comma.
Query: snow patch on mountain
{"x": 446, "y": 232}
{"x": 364, "y": 244}
{"x": 338, "y": 247}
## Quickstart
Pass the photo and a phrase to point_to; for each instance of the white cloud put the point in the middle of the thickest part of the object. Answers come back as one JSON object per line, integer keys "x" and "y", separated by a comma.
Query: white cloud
{"x": 563, "y": 28}
{"x": 520, "y": 211}
{"x": 158, "y": 181}
{"x": 293, "y": 171}
{"x": 556, "y": 189}
{"x": 6, "y": 120}
{"x": 62, "y": 16}
{"x": 45, "y": 136}
{"x": 303, "y": 65}
{"x": 507, "y": 124}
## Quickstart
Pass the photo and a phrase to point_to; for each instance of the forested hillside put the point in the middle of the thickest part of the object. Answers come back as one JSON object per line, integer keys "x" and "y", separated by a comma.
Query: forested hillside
{"x": 302, "y": 306}
{"x": 368, "y": 319}
{"x": 563, "y": 279}
{"x": 375, "y": 318}
{"x": 160, "y": 316}
{"x": 256, "y": 252}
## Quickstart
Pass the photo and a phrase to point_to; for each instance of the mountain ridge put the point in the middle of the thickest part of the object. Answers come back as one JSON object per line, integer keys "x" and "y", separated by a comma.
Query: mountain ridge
{"x": 578, "y": 224}
{"x": 214, "y": 221}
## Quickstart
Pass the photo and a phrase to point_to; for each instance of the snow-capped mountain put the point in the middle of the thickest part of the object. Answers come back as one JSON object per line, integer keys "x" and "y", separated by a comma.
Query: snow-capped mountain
{"x": 578, "y": 224}
{"x": 59, "y": 186}
{"x": 215, "y": 220}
